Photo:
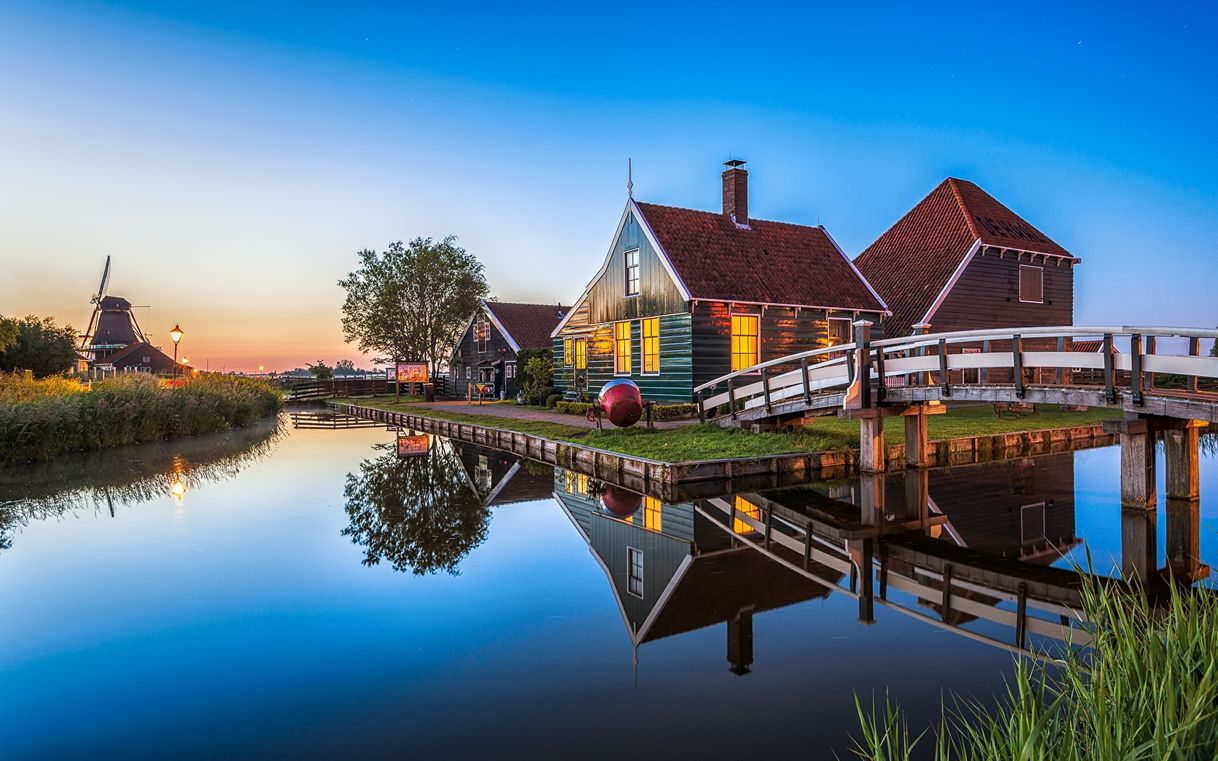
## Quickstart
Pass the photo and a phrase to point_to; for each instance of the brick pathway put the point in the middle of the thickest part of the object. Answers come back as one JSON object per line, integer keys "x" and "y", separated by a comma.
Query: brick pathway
{"x": 508, "y": 410}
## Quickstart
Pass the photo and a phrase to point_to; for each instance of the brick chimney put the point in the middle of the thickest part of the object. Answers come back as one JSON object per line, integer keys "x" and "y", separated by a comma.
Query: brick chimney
{"x": 736, "y": 191}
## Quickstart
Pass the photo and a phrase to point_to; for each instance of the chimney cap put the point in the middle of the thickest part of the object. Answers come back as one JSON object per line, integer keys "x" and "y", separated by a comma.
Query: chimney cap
{"x": 734, "y": 163}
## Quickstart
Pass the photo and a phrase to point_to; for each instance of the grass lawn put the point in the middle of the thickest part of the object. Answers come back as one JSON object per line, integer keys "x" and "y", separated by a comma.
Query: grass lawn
{"x": 963, "y": 421}
{"x": 709, "y": 441}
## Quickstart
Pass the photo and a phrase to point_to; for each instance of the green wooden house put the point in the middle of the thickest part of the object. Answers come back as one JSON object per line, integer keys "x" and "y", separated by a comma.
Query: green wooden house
{"x": 686, "y": 296}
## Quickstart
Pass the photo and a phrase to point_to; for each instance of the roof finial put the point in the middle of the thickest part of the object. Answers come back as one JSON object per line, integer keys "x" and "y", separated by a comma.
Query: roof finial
{"x": 629, "y": 178}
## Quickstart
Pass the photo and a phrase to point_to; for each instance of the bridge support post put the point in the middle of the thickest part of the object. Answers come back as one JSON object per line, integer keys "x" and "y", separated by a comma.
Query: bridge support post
{"x": 917, "y": 446}
{"x": 872, "y": 449}
{"x": 1137, "y": 462}
{"x": 1181, "y": 458}
{"x": 917, "y": 495}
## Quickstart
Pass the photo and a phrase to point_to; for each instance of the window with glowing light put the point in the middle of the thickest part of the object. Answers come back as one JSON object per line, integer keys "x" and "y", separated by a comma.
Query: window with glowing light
{"x": 746, "y": 343}
{"x": 650, "y": 329}
{"x": 745, "y": 509}
{"x": 653, "y": 517}
{"x": 621, "y": 348}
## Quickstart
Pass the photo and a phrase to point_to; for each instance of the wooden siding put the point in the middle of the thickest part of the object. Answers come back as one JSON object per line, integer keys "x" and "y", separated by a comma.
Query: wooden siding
{"x": 987, "y": 296}
{"x": 784, "y": 331}
{"x": 674, "y": 383}
{"x": 658, "y": 293}
{"x": 467, "y": 355}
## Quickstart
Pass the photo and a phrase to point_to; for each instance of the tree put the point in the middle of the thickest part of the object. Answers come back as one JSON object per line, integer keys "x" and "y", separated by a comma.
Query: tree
{"x": 8, "y": 333}
{"x": 321, "y": 371}
{"x": 418, "y": 513}
{"x": 41, "y": 346}
{"x": 344, "y": 367}
{"x": 411, "y": 302}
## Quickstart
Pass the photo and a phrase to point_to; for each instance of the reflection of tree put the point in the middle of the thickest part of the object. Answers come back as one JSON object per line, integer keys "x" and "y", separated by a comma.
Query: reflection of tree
{"x": 123, "y": 476}
{"x": 417, "y": 513}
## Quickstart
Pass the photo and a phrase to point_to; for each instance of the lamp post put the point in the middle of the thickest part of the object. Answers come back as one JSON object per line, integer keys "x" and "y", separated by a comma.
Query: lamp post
{"x": 176, "y": 335}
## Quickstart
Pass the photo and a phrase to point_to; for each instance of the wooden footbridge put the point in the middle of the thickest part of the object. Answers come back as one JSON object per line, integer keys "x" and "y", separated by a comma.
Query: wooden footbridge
{"x": 1157, "y": 376}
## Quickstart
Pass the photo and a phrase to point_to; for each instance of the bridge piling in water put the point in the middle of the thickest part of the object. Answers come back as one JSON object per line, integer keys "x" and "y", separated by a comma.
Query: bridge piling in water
{"x": 1181, "y": 448}
{"x": 1137, "y": 437}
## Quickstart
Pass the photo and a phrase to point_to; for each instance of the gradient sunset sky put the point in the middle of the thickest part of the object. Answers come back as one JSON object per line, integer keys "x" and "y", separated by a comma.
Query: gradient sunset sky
{"x": 232, "y": 161}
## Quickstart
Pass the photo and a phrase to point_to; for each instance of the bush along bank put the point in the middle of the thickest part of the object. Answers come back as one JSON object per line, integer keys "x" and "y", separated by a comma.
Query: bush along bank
{"x": 40, "y": 423}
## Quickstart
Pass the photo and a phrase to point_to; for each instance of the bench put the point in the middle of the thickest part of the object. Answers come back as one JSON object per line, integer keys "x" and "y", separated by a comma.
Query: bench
{"x": 1014, "y": 409}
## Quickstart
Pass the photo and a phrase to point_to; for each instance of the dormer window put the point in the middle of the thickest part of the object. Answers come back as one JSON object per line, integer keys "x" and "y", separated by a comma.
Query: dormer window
{"x": 632, "y": 273}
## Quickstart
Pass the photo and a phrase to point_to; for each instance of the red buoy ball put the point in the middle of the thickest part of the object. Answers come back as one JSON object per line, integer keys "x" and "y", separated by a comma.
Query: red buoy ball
{"x": 622, "y": 402}
{"x": 621, "y": 502}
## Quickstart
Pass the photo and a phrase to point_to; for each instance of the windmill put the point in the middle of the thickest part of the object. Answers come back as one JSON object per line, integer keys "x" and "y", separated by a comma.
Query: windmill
{"x": 112, "y": 326}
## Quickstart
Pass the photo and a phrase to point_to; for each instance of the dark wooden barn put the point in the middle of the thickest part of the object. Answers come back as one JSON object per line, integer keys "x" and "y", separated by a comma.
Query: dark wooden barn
{"x": 489, "y": 346}
{"x": 685, "y": 296}
{"x": 961, "y": 260}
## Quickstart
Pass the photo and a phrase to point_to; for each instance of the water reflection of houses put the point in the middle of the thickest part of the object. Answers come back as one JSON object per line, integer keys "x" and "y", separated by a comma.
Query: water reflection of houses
{"x": 672, "y": 570}
{"x": 501, "y": 478}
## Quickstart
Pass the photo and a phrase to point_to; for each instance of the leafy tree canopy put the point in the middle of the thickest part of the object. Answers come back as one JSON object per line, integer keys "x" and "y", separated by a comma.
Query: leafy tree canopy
{"x": 411, "y": 301}
{"x": 41, "y": 346}
{"x": 417, "y": 513}
{"x": 321, "y": 371}
{"x": 8, "y": 333}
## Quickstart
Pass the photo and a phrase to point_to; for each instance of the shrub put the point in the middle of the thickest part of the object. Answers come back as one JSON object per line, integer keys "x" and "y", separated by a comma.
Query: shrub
{"x": 540, "y": 395}
{"x": 553, "y": 399}
{"x": 675, "y": 411}
{"x": 572, "y": 408}
{"x": 59, "y": 417}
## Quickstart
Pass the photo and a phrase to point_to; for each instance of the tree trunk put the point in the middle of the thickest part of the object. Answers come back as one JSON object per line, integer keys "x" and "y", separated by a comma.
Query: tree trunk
{"x": 397, "y": 386}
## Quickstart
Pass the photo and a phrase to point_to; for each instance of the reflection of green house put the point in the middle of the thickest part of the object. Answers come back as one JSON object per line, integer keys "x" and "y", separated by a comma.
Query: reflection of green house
{"x": 673, "y": 571}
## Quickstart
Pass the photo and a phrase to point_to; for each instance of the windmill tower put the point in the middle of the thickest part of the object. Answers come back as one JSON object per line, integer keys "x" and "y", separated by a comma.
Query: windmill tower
{"x": 112, "y": 326}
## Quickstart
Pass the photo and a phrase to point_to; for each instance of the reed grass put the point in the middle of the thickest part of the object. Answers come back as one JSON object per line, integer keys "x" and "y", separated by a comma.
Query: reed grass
{"x": 39, "y": 423}
{"x": 1146, "y": 689}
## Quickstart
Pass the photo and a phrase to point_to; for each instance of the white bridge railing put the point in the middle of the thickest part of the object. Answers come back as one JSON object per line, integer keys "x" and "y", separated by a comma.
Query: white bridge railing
{"x": 816, "y": 378}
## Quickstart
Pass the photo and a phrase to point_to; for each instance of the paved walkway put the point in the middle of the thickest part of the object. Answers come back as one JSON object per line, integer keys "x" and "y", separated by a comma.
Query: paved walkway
{"x": 532, "y": 413}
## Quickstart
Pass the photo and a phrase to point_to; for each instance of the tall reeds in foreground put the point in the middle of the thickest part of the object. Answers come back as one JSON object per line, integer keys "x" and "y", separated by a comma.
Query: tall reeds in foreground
{"x": 1146, "y": 689}
{"x": 56, "y": 417}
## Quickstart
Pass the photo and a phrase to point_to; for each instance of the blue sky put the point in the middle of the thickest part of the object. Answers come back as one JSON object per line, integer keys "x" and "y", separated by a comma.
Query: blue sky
{"x": 232, "y": 160}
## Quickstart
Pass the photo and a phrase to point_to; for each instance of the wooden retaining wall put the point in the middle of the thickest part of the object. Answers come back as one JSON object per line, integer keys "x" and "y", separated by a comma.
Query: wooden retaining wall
{"x": 680, "y": 481}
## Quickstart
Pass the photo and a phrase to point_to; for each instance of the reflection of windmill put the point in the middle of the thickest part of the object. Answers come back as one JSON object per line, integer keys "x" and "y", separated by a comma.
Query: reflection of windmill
{"x": 112, "y": 326}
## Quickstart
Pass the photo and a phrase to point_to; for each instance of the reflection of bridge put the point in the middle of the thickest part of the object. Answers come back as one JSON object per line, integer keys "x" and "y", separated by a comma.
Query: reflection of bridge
{"x": 968, "y": 550}
{"x": 1171, "y": 394}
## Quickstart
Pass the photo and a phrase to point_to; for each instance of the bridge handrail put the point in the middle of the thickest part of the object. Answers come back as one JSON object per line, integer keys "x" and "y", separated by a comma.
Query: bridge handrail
{"x": 962, "y": 336}
{"x": 754, "y": 369}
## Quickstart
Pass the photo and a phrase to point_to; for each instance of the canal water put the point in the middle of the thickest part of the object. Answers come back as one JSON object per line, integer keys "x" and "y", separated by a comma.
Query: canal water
{"x": 335, "y": 589}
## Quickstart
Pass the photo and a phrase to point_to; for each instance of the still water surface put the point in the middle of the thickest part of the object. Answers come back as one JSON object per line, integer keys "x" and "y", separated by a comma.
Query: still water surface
{"x": 309, "y": 593}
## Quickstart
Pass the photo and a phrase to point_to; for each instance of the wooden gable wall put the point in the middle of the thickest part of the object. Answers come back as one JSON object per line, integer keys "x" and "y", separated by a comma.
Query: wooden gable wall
{"x": 987, "y": 295}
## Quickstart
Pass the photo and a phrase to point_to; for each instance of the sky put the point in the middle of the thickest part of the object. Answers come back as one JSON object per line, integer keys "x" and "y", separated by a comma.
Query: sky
{"x": 232, "y": 158}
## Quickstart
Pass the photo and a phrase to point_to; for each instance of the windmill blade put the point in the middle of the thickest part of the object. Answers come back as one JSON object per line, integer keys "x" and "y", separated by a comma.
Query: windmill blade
{"x": 105, "y": 281}
{"x": 87, "y": 338}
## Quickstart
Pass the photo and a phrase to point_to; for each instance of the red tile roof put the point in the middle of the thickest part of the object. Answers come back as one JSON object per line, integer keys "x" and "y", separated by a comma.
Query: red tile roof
{"x": 913, "y": 261}
{"x": 1090, "y": 346}
{"x": 529, "y": 325}
{"x": 765, "y": 263}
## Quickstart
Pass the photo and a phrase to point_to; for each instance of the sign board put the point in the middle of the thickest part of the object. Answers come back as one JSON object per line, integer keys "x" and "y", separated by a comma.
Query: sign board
{"x": 412, "y": 372}
{"x": 413, "y": 444}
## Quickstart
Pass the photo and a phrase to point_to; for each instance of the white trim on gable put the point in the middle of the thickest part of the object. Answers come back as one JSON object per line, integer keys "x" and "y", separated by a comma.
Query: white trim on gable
{"x": 951, "y": 283}
{"x": 486, "y": 307}
{"x": 883, "y": 304}
{"x": 631, "y": 207}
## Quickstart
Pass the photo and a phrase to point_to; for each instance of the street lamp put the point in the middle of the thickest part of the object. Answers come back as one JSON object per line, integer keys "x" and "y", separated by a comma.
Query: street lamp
{"x": 176, "y": 335}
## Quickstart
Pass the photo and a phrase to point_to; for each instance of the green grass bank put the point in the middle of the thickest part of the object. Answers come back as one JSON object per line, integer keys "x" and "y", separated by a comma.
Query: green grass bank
{"x": 709, "y": 441}
{"x": 40, "y": 419}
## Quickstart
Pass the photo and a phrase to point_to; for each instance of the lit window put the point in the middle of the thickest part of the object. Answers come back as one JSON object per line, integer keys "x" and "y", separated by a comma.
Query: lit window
{"x": 1031, "y": 284}
{"x": 652, "y": 514}
{"x": 748, "y": 510}
{"x": 745, "y": 344}
{"x": 481, "y": 331}
{"x": 632, "y": 273}
{"x": 581, "y": 353}
{"x": 566, "y": 352}
{"x": 651, "y": 344}
{"x": 621, "y": 348}
{"x": 634, "y": 579}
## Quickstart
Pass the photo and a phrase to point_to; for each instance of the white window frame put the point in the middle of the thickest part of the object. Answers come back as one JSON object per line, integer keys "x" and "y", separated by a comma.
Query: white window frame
{"x": 509, "y": 370}
{"x": 1023, "y": 528}
{"x": 643, "y": 348}
{"x": 469, "y": 372}
{"x": 1040, "y": 271}
{"x": 631, "y": 579}
{"x": 482, "y": 335}
{"x": 630, "y": 348}
{"x": 638, "y": 277}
